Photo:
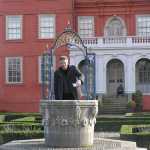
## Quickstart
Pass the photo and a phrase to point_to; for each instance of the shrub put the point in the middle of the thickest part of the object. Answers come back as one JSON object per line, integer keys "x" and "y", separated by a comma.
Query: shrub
{"x": 131, "y": 105}
{"x": 114, "y": 124}
{"x": 138, "y": 97}
{"x": 141, "y": 137}
{"x": 20, "y": 126}
{"x": 6, "y": 136}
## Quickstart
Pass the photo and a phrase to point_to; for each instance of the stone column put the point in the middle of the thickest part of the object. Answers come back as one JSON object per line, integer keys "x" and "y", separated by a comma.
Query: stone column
{"x": 130, "y": 77}
{"x": 100, "y": 75}
{"x": 69, "y": 123}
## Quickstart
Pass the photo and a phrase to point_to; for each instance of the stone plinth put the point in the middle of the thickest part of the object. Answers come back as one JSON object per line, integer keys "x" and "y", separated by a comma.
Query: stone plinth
{"x": 69, "y": 123}
{"x": 99, "y": 144}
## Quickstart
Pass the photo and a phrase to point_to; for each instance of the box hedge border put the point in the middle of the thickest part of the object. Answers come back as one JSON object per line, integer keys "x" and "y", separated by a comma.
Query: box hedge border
{"x": 141, "y": 138}
{"x": 6, "y": 136}
{"x": 115, "y": 125}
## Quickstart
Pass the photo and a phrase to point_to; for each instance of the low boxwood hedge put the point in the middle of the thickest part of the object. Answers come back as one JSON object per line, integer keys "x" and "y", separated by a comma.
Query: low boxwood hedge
{"x": 138, "y": 114}
{"x": 114, "y": 124}
{"x": 6, "y": 136}
{"x": 12, "y": 116}
{"x": 141, "y": 137}
{"x": 12, "y": 126}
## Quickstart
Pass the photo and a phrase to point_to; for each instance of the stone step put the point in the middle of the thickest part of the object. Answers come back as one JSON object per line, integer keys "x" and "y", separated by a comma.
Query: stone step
{"x": 114, "y": 105}
{"x": 99, "y": 144}
{"x": 115, "y": 100}
{"x": 112, "y": 110}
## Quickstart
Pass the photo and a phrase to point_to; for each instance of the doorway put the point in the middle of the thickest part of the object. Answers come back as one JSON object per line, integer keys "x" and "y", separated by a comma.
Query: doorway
{"x": 115, "y": 76}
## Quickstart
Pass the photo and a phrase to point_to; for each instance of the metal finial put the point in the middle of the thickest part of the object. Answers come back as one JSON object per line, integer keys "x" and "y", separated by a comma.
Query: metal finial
{"x": 68, "y": 28}
{"x": 47, "y": 46}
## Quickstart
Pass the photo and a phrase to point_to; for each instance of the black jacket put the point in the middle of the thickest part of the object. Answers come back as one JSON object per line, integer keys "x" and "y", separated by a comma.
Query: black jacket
{"x": 63, "y": 82}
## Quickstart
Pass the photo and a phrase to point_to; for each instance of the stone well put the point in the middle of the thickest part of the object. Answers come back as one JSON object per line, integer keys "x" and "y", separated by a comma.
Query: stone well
{"x": 69, "y": 123}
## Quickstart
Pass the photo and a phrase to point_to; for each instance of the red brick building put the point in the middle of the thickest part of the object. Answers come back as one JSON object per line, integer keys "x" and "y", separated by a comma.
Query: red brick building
{"x": 117, "y": 31}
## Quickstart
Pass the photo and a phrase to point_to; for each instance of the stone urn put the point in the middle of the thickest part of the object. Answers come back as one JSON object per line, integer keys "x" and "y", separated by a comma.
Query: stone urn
{"x": 69, "y": 123}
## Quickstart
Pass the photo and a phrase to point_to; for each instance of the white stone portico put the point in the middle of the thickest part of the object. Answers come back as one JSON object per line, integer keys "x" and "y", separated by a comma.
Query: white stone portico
{"x": 128, "y": 50}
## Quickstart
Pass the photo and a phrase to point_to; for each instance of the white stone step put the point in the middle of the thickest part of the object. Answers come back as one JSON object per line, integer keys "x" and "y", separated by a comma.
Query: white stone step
{"x": 99, "y": 144}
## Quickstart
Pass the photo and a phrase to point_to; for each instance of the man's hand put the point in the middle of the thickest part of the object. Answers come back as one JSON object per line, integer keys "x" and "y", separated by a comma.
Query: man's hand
{"x": 78, "y": 83}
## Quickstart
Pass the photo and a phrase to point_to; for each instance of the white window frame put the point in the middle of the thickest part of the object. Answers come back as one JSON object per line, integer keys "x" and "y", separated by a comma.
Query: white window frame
{"x": 39, "y": 26}
{"x": 21, "y": 27}
{"x": 93, "y": 27}
{"x": 137, "y": 16}
{"x": 6, "y": 70}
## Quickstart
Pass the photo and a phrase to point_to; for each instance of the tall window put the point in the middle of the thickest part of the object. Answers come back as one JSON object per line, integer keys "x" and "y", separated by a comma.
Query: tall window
{"x": 43, "y": 69}
{"x": 46, "y": 26}
{"x": 14, "y": 27}
{"x": 86, "y": 26}
{"x": 143, "y": 75}
{"x": 115, "y": 27}
{"x": 13, "y": 69}
{"x": 143, "y": 25}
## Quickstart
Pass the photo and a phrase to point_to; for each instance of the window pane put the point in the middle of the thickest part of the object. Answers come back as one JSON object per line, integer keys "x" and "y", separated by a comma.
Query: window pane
{"x": 14, "y": 70}
{"x": 14, "y": 27}
{"x": 47, "y": 26}
{"x": 86, "y": 26}
{"x": 115, "y": 28}
{"x": 143, "y": 25}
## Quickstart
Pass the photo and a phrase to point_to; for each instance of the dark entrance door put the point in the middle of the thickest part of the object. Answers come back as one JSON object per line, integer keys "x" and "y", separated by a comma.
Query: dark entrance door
{"x": 115, "y": 76}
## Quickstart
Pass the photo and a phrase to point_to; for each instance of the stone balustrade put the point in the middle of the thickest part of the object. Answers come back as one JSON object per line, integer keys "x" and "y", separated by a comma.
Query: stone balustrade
{"x": 117, "y": 41}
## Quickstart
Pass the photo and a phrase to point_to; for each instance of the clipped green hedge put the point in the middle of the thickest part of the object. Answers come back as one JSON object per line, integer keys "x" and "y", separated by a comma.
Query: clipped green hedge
{"x": 141, "y": 138}
{"x": 115, "y": 125}
{"x": 12, "y": 126}
{"x": 138, "y": 114}
{"x": 6, "y": 136}
{"x": 13, "y": 116}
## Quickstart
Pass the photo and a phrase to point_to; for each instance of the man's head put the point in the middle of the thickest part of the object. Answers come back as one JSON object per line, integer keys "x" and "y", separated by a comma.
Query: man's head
{"x": 63, "y": 60}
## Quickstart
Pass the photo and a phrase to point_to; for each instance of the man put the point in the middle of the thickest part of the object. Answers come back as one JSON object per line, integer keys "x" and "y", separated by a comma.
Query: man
{"x": 120, "y": 90}
{"x": 66, "y": 80}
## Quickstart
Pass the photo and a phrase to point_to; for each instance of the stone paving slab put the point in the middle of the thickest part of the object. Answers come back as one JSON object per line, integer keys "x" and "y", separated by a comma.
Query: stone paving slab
{"x": 100, "y": 137}
{"x": 99, "y": 144}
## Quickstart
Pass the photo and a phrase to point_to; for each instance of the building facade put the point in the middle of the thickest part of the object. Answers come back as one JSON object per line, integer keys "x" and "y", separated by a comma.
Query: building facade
{"x": 117, "y": 31}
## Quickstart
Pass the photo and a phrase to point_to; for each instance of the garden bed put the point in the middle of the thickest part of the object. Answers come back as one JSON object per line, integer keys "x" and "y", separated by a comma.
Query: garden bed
{"x": 138, "y": 133}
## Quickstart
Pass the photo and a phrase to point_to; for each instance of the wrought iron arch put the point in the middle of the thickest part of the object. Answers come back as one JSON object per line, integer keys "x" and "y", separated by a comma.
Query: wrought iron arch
{"x": 66, "y": 38}
{"x": 69, "y": 38}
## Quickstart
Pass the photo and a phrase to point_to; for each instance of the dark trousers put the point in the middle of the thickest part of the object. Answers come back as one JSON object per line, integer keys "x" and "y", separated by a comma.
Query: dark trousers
{"x": 68, "y": 96}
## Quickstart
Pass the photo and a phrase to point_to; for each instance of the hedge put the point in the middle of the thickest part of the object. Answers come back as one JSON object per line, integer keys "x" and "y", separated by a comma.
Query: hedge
{"x": 6, "y": 136}
{"x": 141, "y": 138}
{"x": 12, "y": 116}
{"x": 115, "y": 125}
{"x": 20, "y": 126}
{"x": 138, "y": 114}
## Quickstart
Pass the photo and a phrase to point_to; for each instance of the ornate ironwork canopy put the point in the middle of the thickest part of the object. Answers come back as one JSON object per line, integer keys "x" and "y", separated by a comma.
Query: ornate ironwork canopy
{"x": 66, "y": 38}
{"x": 70, "y": 38}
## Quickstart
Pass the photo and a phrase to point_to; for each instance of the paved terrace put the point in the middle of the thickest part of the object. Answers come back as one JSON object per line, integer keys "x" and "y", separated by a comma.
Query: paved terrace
{"x": 99, "y": 144}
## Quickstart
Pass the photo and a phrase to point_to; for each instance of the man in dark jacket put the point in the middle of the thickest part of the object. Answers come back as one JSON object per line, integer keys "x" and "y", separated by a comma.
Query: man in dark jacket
{"x": 66, "y": 79}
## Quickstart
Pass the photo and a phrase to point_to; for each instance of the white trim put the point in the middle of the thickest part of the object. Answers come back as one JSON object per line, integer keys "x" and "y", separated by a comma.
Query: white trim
{"x": 21, "y": 27}
{"x": 6, "y": 70}
{"x": 39, "y": 25}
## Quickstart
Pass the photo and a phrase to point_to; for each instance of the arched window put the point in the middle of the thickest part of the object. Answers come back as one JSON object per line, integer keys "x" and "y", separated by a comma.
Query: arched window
{"x": 143, "y": 75}
{"x": 115, "y": 27}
